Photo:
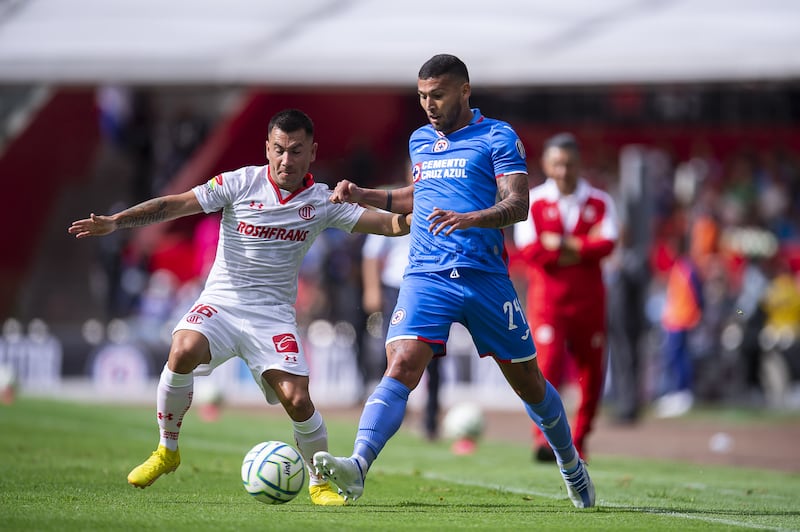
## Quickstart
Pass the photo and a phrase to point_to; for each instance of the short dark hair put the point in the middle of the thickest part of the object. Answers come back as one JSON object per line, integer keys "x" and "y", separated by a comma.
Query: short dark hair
{"x": 444, "y": 64}
{"x": 291, "y": 120}
{"x": 564, "y": 141}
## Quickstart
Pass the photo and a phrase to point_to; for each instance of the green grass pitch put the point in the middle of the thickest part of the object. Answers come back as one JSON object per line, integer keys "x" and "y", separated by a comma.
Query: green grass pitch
{"x": 63, "y": 467}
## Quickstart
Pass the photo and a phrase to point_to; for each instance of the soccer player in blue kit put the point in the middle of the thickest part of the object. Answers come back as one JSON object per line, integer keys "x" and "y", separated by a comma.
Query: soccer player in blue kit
{"x": 469, "y": 181}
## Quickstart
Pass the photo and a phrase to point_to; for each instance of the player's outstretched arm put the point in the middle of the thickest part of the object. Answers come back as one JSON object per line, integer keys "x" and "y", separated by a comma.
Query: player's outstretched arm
{"x": 383, "y": 223}
{"x": 399, "y": 200}
{"x": 511, "y": 207}
{"x": 149, "y": 212}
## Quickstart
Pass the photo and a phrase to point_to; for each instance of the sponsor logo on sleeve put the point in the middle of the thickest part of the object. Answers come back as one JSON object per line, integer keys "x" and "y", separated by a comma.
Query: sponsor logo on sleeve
{"x": 214, "y": 182}
{"x": 520, "y": 148}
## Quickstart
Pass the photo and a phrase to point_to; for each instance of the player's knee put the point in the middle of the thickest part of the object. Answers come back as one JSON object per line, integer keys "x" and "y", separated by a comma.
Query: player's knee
{"x": 406, "y": 372}
{"x": 298, "y": 406}
{"x": 406, "y": 361}
{"x": 182, "y": 361}
{"x": 531, "y": 388}
{"x": 185, "y": 354}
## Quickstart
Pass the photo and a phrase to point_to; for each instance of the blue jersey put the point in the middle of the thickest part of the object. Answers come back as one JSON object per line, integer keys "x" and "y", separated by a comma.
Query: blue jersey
{"x": 458, "y": 172}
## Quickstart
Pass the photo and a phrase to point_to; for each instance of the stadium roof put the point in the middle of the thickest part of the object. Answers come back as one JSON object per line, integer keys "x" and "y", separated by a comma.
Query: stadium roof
{"x": 383, "y": 42}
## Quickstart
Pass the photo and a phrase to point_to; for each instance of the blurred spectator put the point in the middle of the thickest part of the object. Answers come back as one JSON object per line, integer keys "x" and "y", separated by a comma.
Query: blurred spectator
{"x": 749, "y": 307}
{"x": 780, "y": 337}
{"x": 627, "y": 276}
{"x": 341, "y": 275}
{"x": 383, "y": 264}
{"x": 683, "y": 310}
{"x": 570, "y": 229}
{"x": 782, "y": 304}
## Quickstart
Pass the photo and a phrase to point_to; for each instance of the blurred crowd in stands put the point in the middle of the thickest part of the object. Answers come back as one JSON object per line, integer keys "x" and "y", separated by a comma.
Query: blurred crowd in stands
{"x": 734, "y": 219}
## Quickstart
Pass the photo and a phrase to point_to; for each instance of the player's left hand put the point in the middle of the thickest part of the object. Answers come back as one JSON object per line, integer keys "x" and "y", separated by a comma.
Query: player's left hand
{"x": 447, "y": 221}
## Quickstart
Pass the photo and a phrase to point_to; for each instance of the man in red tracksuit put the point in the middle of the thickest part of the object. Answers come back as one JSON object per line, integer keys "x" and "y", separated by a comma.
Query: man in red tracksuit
{"x": 571, "y": 227}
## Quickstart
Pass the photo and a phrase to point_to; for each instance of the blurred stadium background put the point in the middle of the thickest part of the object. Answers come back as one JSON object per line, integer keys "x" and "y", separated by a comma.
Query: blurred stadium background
{"x": 688, "y": 113}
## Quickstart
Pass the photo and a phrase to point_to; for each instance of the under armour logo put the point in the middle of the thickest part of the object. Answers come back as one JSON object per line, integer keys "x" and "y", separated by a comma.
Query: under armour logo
{"x": 454, "y": 274}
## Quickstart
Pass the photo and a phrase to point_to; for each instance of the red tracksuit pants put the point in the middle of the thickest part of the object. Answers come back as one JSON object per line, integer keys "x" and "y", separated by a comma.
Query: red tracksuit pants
{"x": 573, "y": 347}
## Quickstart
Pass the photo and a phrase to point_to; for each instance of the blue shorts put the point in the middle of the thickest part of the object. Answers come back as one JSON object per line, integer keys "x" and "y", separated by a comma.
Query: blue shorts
{"x": 485, "y": 303}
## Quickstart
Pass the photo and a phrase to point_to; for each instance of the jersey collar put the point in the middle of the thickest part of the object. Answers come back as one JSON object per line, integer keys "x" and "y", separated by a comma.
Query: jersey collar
{"x": 308, "y": 182}
{"x": 477, "y": 117}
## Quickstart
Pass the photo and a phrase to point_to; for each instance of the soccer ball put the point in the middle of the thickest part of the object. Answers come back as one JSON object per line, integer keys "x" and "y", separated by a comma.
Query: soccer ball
{"x": 273, "y": 472}
{"x": 464, "y": 421}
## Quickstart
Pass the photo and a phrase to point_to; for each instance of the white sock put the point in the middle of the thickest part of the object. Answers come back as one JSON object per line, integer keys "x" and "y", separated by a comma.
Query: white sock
{"x": 311, "y": 436}
{"x": 173, "y": 399}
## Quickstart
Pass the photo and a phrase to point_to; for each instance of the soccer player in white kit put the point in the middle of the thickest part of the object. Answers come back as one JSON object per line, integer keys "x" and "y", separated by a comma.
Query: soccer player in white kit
{"x": 270, "y": 217}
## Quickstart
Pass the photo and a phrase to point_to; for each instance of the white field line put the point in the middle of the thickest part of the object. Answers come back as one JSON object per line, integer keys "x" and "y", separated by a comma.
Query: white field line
{"x": 601, "y": 502}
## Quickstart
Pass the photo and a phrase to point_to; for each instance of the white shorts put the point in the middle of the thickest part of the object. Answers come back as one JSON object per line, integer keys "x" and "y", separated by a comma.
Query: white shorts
{"x": 264, "y": 337}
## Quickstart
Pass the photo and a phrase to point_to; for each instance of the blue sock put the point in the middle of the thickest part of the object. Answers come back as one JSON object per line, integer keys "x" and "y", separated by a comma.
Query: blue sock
{"x": 550, "y": 417}
{"x": 381, "y": 417}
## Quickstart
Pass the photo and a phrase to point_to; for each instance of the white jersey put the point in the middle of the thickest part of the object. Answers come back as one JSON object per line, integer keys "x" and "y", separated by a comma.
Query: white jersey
{"x": 264, "y": 234}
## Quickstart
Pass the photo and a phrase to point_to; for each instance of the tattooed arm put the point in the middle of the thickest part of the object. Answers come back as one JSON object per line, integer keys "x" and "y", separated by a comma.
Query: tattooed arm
{"x": 149, "y": 212}
{"x": 512, "y": 207}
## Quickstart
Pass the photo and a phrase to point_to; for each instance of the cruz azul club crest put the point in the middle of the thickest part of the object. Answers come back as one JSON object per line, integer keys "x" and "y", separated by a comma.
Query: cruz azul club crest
{"x": 441, "y": 145}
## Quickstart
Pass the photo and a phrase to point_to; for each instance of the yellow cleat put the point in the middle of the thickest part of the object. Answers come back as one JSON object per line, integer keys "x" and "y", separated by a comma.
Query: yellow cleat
{"x": 162, "y": 461}
{"x": 323, "y": 495}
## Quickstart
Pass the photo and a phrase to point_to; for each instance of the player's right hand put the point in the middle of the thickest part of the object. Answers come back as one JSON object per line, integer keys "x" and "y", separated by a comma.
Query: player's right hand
{"x": 93, "y": 226}
{"x": 346, "y": 192}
